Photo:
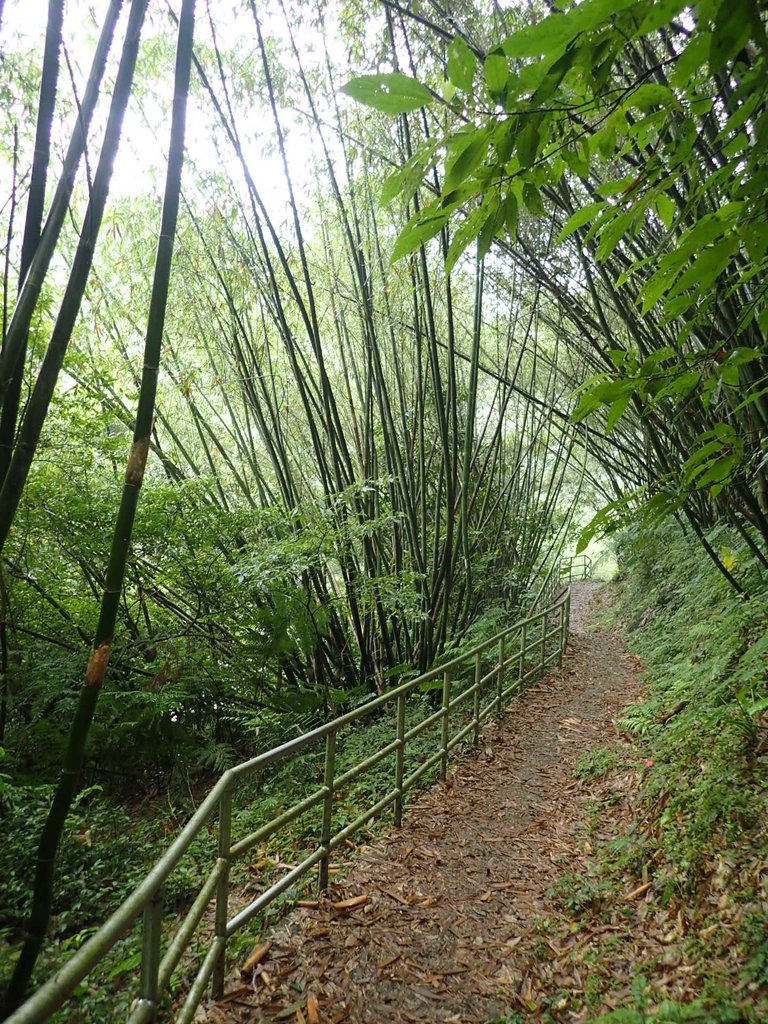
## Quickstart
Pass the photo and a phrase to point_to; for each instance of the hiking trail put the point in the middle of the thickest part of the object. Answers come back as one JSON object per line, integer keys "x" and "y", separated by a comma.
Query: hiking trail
{"x": 446, "y": 903}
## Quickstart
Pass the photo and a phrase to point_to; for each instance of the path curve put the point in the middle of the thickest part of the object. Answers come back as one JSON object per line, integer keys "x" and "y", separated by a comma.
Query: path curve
{"x": 451, "y": 895}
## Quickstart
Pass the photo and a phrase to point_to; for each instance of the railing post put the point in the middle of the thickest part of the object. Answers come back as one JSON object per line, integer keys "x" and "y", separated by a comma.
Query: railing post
{"x": 149, "y": 991}
{"x": 328, "y": 784}
{"x": 567, "y": 615}
{"x": 500, "y": 676}
{"x": 521, "y": 665}
{"x": 400, "y": 759}
{"x": 222, "y": 892}
{"x": 476, "y": 701}
{"x": 447, "y": 679}
{"x": 562, "y": 632}
{"x": 543, "y": 656}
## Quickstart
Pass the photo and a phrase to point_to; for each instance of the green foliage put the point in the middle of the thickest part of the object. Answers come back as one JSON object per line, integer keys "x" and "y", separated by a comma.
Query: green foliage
{"x": 597, "y": 763}
{"x": 642, "y": 140}
{"x": 391, "y": 93}
{"x": 672, "y": 1012}
{"x": 577, "y": 893}
{"x": 704, "y": 720}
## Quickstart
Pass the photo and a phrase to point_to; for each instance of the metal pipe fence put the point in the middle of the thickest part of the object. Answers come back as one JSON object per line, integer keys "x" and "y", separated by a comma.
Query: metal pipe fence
{"x": 470, "y": 687}
{"x": 576, "y": 567}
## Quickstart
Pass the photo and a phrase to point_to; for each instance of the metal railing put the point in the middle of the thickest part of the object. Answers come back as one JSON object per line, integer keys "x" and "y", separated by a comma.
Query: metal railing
{"x": 576, "y": 567}
{"x": 471, "y": 687}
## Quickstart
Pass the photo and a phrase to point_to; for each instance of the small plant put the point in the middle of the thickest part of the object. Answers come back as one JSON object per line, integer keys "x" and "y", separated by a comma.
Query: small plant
{"x": 578, "y": 892}
{"x": 597, "y": 763}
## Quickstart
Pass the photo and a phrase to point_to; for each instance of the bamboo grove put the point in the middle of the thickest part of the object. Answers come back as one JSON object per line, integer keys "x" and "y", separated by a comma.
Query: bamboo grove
{"x": 432, "y": 284}
{"x": 350, "y": 468}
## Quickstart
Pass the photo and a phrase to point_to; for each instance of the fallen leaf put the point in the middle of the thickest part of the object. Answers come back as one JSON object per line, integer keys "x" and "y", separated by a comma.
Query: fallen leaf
{"x": 350, "y": 904}
{"x": 641, "y": 890}
{"x": 313, "y": 1010}
{"x": 258, "y": 953}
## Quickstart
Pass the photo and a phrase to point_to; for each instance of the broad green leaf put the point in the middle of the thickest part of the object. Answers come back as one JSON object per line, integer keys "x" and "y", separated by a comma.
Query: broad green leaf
{"x": 740, "y": 355}
{"x": 528, "y": 142}
{"x": 700, "y": 459}
{"x": 615, "y": 188}
{"x": 732, "y": 31}
{"x": 392, "y": 93}
{"x": 720, "y": 471}
{"x": 468, "y": 151}
{"x": 496, "y": 73}
{"x": 729, "y": 375}
{"x": 680, "y": 386}
{"x": 707, "y": 267}
{"x": 612, "y": 233}
{"x": 463, "y": 236}
{"x": 404, "y": 181}
{"x": 447, "y": 90}
{"x": 739, "y": 118}
{"x": 604, "y": 393}
{"x": 493, "y": 223}
{"x": 665, "y": 209}
{"x": 420, "y": 229}
{"x": 511, "y": 209}
{"x": 552, "y": 80}
{"x": 649, "y": 95}
{"x": 554, "y": 31}
{"x": 726, "y": 433}
{"x": 617, "y": 411}
{"x": 461, "y": 64}
{"x": 705, "y": 231}
{"x": 618, "y": 356}
{"x": 660, "y": 13}
{"x": 689, "y": 63}
{"x": 457, "y": 197}
{"x": 654, "y": 360}
{"x": 534, "y": 40}
{"x": 532, "y": 198}
{"x": 625, "y": 275}
{"x": 657, "y": 285}
{"x": 503, "y": 139}
{"x": 580, "y": 218}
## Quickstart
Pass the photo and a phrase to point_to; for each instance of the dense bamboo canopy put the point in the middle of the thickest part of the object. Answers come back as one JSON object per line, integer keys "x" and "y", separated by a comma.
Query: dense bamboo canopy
{"x": 377, "y": 305}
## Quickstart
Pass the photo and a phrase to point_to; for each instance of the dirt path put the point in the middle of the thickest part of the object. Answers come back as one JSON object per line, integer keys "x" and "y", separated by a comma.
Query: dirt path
{"x": 452, "y": 894}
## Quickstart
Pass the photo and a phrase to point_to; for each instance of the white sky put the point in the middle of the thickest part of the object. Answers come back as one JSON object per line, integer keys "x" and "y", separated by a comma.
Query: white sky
{"x": 140, "y": 164}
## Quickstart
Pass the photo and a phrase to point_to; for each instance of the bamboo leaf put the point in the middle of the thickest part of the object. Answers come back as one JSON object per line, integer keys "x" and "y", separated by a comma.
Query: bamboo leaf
{"x": 471, "y": 149}
{"x": 733, "y": 27}
{"x": 496, "y": 73}
{"x": 462, "y": 64}
{"x": 418, "y": 231}
{"x": 405, "y": 181}
{"x": 580, "y": 218}
{"x": 392, "y": 93}
{"x": 555, "y": 31}
{"x": 617, "y": 410}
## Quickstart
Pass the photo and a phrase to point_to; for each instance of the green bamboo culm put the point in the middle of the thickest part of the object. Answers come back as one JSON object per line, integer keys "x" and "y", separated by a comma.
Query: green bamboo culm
{"x": 137, "y": 458}
{"x": 42, "y": 393}
{"x": 33, "y": 274}
{"x": 35, "y": 206}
